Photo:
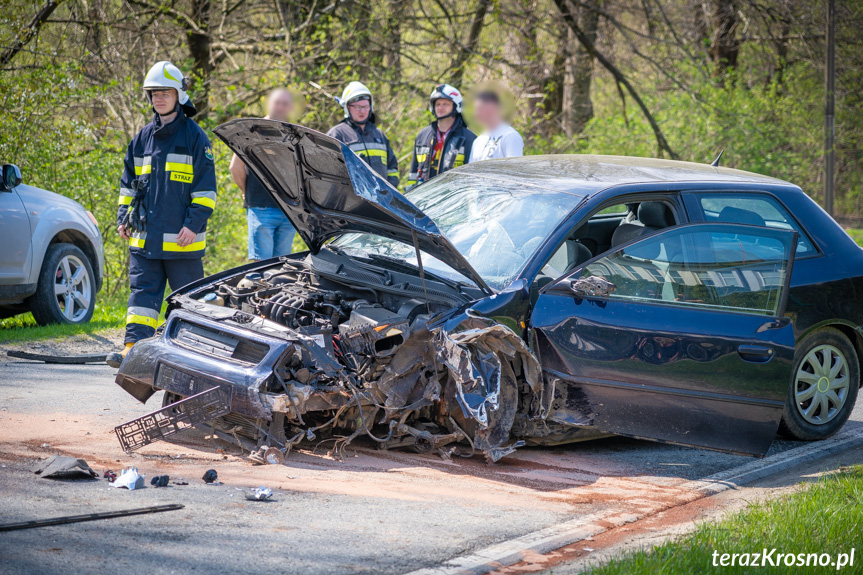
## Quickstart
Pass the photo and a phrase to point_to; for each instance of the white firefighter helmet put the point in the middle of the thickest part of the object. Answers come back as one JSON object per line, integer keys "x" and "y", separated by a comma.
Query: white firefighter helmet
{"x": 356, "y": 91}
{"x": 165, "y": 75}
{"x": 448, "y": 92}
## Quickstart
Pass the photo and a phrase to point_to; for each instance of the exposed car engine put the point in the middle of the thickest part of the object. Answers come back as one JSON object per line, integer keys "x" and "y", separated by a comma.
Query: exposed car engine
{"x": 337, "y": 346}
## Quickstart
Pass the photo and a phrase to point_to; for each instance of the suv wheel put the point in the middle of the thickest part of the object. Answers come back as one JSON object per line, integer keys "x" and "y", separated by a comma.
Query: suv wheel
{"x": 823, "y": 388}
{"x": 66, "y": 291}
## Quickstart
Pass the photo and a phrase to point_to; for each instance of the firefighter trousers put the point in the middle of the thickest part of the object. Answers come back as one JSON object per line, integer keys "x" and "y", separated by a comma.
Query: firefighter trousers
{"x": 147, "y": 278}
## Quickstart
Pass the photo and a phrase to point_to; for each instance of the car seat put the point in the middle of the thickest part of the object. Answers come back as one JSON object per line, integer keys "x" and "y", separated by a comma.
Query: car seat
{"x": 576, "y": 252}
{"x": 652, "y": 216}
{"x": 734, "y": 215}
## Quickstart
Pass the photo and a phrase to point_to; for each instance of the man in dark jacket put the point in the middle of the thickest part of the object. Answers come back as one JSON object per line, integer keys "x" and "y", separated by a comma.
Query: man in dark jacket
{"x": 167, "y": 194}
{"x": 446, "y": 143}
{"x": 359, "y": 132}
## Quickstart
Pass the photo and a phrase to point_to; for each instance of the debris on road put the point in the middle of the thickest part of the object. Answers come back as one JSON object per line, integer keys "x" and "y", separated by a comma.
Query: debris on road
{"x": 60, "y": 359}
{"x": 260, "y": 494}
{"x": 110, "y": 476}
{"x": 129, "y": 479}
{"x": 210, "y": 476}
{"x": 89, "y": 517}
{"x": 159, "y": 480}
{"x": 63, "y": 467}
{"x": 173, "y": 418}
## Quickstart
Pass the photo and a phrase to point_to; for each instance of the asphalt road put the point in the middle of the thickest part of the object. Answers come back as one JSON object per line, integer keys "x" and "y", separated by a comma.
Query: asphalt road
{"x": 377, "y": 512}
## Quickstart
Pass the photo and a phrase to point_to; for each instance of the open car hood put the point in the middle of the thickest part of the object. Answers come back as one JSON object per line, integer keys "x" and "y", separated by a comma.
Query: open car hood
{"x": 325, "y": 189}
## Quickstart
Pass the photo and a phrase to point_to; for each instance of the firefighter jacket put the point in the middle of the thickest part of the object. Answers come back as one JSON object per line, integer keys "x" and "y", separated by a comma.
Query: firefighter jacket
{"x": 456, "y": 152}
{"x": 174, "y": 162}
{"x": 371, "y": 144}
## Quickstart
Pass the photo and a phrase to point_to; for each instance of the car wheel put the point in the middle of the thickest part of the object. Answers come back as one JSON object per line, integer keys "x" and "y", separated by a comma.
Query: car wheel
{"x": 823, "y": 388}
{"x": 66, "y": 292}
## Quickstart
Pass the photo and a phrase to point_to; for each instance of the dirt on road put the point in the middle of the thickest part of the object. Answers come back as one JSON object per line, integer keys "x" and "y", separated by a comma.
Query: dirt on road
{"x": 375, "y": 512}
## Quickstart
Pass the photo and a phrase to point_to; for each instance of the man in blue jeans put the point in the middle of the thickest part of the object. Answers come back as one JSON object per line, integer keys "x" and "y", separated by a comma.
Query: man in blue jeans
{"x": 270, "y": 232}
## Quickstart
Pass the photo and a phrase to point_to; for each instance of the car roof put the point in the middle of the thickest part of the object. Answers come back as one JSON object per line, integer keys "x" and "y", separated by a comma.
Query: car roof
{"x": 585, "y": 175}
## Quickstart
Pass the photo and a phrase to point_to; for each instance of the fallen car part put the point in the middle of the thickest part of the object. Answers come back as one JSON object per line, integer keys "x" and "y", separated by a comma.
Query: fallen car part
{"x": 63, "y": 467}
{"x": 129, "y": 479}
{"x": 159, "y": 480}
{"x": 61, "y": 359}
{"x": 172, "y": 419}
{"x": 260, "y": 494}
{"x": 89, "y": 517}
{"x": 210, "y": 476}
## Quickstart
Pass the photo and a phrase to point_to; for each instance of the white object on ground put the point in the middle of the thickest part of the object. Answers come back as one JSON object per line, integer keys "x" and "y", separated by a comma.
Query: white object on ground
{"x": 129, "y": 479}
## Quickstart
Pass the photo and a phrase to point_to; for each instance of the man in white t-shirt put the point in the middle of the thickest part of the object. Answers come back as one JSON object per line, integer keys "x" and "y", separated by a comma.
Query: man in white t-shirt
{"x": 499, "y": 139}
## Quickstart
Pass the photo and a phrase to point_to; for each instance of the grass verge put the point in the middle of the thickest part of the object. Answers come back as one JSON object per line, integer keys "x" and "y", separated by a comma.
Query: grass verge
{"x": 23, "y": 327}
{"x": 823, "y": 517}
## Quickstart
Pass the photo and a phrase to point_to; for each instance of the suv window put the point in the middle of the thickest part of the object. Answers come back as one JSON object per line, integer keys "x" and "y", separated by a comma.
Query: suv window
{"x": 754, "y": 209}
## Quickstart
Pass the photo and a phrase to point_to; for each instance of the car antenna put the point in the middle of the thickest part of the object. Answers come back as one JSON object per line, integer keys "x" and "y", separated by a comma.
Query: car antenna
{"x": 715, "y": 163}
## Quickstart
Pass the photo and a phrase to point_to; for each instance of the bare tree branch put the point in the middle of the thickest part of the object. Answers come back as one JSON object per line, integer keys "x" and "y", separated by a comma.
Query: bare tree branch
{"x": 619, "y": 77}
{"x": 29, "y": 32}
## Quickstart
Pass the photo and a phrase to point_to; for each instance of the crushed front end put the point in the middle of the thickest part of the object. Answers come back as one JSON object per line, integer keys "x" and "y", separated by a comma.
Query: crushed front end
{"x": 334, "y": 347}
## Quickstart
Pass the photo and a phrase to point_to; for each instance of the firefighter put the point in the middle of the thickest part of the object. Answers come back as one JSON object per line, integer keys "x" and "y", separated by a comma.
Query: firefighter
{"x": 446, "y": 143}
{"x": 359, "y": 132}
{"x": 167, "y": 194}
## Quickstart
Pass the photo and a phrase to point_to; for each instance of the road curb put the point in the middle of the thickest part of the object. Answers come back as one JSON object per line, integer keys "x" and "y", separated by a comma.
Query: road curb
{"x": 575, "y": 530}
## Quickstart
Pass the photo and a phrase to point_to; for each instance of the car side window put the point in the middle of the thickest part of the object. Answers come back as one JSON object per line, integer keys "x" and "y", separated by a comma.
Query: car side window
{"x": 753, "y": 209}
{"x": 726, "y": 267}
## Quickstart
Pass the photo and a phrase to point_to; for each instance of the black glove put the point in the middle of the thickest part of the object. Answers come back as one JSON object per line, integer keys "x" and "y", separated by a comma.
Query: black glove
{"x": 136, "y": 215}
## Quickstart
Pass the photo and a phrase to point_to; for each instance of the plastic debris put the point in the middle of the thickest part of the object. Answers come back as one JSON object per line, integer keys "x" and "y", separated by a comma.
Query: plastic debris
{"x": 110, "y": 476}
{"x": 211, "y": 476}
{"x": 159, "y": 481}
{"x": 129, "y": 479}
{"x": 62, "y": 467}
{"x": 260, "y": 494}
{"x": 180, "y": 481}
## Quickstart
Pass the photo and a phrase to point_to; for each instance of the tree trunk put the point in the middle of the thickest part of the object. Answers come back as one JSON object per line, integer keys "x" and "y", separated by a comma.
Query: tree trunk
{"x": 393, "y": 40}
{"x": 725, "y": 46}
{"x": 199, "y": 47}
{"x": 463, "y": 55}
{"x": 578, "y": 74}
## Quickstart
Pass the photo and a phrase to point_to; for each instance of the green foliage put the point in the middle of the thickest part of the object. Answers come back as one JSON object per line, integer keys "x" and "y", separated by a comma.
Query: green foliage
{"x": 823, "y": 517}
{"x": 72, "y": 99}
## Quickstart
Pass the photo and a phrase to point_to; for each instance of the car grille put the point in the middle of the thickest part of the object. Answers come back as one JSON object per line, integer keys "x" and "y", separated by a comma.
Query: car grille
{"x": 218, "y": 344}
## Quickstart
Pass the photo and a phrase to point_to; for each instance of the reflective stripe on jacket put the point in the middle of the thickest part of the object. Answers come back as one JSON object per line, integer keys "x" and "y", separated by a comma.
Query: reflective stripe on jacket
{"x": 371, "y": 144}
{"x": 456, "y": 152}
{"x": 177, "y": 161}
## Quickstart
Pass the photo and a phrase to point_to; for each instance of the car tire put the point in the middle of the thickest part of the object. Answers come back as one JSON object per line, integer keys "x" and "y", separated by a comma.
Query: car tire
{"x": 824, "y": 385}
{"x": 66, "y": 279}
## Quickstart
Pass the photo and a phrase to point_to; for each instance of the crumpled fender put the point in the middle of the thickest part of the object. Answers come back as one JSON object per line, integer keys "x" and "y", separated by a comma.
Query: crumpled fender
{"x": 483, "y": 375}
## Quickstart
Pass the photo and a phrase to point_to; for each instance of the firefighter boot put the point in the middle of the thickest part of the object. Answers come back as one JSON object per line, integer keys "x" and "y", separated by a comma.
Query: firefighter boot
{"x": 115, "y": 358}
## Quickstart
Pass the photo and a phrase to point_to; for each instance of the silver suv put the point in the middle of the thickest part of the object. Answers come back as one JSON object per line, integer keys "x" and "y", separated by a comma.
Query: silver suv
{"x": 51, "y": 259}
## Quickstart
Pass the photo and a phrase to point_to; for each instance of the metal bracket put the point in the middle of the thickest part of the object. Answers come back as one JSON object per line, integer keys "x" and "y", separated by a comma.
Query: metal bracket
{"x": 173, "y": 418}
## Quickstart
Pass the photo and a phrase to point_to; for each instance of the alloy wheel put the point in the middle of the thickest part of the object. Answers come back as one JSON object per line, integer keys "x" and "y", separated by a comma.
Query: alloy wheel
{"x": 821, "y": 384}
{"x": 73, "y": 288}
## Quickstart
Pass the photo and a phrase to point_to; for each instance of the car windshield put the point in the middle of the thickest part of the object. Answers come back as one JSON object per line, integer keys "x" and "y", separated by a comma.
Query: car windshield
{"x": 496, "y": 225}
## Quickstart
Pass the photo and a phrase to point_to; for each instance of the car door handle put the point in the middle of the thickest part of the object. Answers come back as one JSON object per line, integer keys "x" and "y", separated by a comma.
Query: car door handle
{"x": 755, "y": 353}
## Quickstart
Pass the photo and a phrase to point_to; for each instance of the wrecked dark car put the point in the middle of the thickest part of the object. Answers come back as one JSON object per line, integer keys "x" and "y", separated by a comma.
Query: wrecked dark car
{"x": 536, "y": 300}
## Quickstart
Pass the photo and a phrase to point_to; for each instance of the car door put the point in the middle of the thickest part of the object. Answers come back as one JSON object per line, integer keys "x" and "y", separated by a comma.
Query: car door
{"x": 15, "y": 237}
{"x": 676, "y": 337}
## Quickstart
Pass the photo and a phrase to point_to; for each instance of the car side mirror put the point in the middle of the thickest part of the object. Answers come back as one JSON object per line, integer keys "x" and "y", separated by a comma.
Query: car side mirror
{"x": 11, "y": 176}
{"x": 592, "y": 286}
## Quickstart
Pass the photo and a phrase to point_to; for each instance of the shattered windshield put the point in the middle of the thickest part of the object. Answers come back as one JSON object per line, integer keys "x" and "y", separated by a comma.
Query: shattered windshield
{"x": 496, "y": 225}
